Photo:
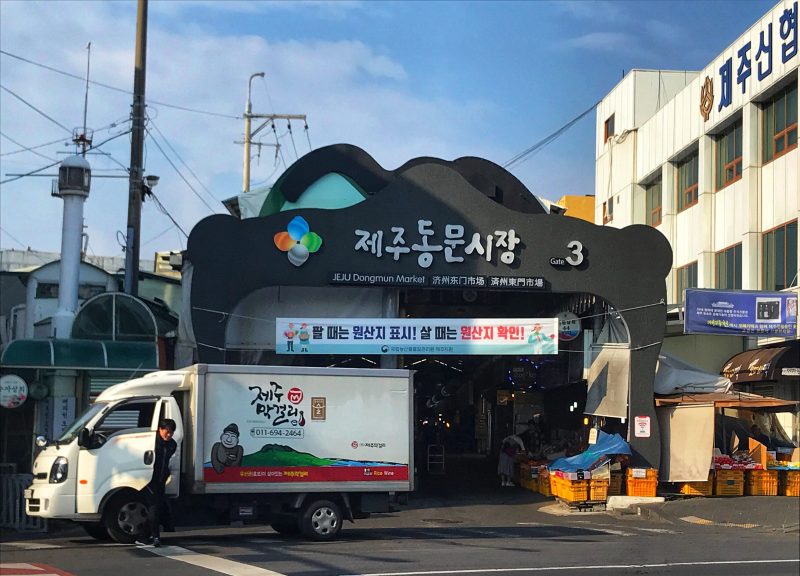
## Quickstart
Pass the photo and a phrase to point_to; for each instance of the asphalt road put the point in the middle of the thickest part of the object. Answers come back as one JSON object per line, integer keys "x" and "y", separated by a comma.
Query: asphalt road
{"x": 511, "y": 536}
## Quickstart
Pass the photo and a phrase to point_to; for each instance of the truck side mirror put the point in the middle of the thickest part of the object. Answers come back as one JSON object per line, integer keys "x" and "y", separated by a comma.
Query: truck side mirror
{"x": 83, "y": 437}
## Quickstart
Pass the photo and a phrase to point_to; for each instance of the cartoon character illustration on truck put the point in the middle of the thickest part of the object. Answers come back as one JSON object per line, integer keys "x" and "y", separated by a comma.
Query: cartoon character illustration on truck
{"x": 227, "y": 451}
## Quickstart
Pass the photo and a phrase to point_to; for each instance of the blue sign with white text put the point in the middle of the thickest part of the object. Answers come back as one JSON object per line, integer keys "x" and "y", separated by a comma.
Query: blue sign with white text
{"x": 740, "y": 312}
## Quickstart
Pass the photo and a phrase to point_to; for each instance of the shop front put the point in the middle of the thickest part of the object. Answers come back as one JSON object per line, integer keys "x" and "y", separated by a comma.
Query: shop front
{"x": 453, "y": 269}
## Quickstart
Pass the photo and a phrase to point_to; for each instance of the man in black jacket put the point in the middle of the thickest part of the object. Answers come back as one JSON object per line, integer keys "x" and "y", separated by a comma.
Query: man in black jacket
{"x": 154, "y": 492}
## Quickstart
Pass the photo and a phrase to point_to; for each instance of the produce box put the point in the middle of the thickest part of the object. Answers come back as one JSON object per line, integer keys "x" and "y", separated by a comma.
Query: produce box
{"x": 789, "y": 483}
{"x": 761, "y": 483}
{"x": 615, "y": 484}
{"x": 728, "y": 482}
{"x": 700, "y": 488}
{"x": 598, "y": 490}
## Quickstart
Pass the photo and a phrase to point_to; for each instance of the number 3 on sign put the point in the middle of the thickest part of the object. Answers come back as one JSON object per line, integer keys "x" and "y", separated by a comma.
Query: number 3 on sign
{"x": 577, "y": 253}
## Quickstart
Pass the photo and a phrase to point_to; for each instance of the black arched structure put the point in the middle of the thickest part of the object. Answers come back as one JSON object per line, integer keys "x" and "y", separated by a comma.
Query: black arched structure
{"x": 626, "y": 267}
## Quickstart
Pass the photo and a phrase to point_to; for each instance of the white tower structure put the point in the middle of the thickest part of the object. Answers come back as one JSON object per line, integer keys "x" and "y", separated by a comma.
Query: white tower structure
{"x": 74, "y": 181}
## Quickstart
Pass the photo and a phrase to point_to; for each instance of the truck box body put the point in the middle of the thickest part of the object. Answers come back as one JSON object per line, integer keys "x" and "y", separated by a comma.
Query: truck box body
{"x": 301, "y": 429}
{"x": 300, "y": 448}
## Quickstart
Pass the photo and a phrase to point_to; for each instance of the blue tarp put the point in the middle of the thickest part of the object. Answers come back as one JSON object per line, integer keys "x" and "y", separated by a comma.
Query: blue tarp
{"x": 607, "y": 444}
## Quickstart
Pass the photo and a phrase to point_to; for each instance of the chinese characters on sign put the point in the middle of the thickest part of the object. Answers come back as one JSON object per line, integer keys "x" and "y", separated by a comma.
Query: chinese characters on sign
{"x": 455, "y": 246}
{"x": 747, "y": 55}
{"x": 421, "y": 335}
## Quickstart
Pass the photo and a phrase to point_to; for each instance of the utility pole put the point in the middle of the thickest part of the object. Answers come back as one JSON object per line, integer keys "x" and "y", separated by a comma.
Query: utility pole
{"x": 135, "y": 186}
{"x": 248, "y": 134}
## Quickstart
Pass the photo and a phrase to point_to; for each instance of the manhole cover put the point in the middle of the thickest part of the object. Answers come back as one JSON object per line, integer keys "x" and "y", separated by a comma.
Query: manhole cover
{"x": 441, "y": 521}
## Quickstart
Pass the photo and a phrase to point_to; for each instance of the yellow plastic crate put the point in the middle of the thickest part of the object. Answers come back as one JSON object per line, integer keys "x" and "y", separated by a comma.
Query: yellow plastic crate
{"x": 640, "y": 486}
{"x": 761, "y": 483}
{"x": 789, "y": 483}
{"x": 598, "y": 490}
{"x": 573, "y": 490}
{"x": 729, "y": 483}
{"x": 701, "y": 488}
{"x": 650, "y": 473}
{"x": 544, "y": 485}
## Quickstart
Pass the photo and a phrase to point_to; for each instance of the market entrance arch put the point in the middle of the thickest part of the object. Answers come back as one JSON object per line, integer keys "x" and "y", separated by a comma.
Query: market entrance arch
{"x": 431, "y": 225}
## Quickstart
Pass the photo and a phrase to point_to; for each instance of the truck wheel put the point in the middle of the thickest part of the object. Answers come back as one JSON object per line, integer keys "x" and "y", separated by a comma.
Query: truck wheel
{"x": 286, "y": 525}
{"x": 322, "y": 520}
{"x": 96, "y": 530}
{"x": 126, "y": 518}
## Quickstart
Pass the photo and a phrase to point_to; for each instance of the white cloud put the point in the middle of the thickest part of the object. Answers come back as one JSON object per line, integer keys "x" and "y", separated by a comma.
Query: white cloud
{"x": 350, "y": 91}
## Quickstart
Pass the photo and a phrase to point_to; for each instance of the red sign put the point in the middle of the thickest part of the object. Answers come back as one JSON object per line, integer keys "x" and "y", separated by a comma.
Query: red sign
{"x": 295, "y": 396}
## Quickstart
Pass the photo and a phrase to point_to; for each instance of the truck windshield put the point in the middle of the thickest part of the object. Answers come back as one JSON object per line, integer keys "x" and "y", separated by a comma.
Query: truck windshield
{"x": 90, "y": 412}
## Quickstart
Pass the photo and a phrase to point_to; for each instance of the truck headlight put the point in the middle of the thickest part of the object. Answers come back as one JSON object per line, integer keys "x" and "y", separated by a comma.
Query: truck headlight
{"x": 58, "y": 471}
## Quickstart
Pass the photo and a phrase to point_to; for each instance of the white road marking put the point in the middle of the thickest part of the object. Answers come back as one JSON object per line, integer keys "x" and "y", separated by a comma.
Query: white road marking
{"x": 19, "y": 566}
{"x": 214, "y": 563}
{"x": 588, "y": 567}
{"x": 33, "y": 545}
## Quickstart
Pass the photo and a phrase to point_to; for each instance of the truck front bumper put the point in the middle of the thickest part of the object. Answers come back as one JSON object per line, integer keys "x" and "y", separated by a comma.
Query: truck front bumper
{"x": 45, "y": 502}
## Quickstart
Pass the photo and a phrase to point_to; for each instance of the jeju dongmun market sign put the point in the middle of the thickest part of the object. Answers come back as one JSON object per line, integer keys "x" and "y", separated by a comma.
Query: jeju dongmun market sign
{"x": 463, "y": 336}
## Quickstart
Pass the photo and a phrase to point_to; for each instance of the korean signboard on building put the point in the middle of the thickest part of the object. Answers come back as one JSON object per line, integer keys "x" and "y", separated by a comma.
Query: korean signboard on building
{"x": 740, "y": 312}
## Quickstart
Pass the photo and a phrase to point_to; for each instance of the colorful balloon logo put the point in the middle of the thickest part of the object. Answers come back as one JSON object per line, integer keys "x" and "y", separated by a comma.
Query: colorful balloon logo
{"x": 298, "y": 241}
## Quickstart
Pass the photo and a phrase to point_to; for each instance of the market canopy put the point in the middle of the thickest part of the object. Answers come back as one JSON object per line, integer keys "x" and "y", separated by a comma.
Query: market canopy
{"x": 768, "y": 363}
{"x": 727, "y": 400}
{"x": 81, "y": 355}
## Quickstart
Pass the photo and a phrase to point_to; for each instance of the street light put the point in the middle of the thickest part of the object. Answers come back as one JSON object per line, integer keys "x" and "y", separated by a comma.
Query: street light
{"x": 247, "y": 113}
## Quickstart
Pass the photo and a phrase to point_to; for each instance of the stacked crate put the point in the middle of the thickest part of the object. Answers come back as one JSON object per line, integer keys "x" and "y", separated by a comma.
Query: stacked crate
{"x": 789, "y": 483}
{"x": 729, "y": 483}
{"x": 702, "y": 488}
{"x": 761, "y": 483}
{"x": 641, "y": 482}
{"x": 615, "y": 484}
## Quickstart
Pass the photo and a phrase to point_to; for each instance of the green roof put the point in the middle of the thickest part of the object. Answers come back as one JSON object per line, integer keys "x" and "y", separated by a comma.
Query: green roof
{"x": 81, "y": 355}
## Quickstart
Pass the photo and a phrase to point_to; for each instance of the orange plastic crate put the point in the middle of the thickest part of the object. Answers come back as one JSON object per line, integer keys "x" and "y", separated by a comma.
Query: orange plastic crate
{"x": 574, "y": 490}
{"x": 761, "y": 483}
{"x": 789, "y": 483}
{"x": 598, "y": 490}
{"x": 650, "y": 473}
{"x": 729, "y": 483}
{"x": 640, "y": 486}
{"x": 545, "y": 485}
{"x": 701, "y": 488}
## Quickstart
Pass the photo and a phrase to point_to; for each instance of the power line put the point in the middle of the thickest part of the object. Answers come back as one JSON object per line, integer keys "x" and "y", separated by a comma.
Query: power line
{"x": 164, "y": 138}
{"x": 21, "y": 99}
{"x": 164, "y": 211}
{"x": 116, "y": 89}
{"x": 31, "y": 148}
{"x": 25, "y": 148}
{"x": 171, "y": 163}
{"x": 527, "y": 153}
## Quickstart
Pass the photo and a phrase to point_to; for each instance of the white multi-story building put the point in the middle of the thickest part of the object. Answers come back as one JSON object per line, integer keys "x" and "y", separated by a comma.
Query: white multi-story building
{"x": 710, "y": 159}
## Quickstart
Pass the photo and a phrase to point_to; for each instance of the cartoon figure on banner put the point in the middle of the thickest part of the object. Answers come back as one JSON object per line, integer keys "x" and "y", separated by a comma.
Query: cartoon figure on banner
{"x": 227, "y": 451}
{"x": 290, "y": 333}
{"x": 542, "y": 343}
{"x": 304, "y": 337}
{"x": 791, "y": 309}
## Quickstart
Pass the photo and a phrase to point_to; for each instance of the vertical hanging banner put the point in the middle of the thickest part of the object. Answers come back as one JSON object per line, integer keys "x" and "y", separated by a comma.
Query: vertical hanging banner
{"x": 463, "y": 336}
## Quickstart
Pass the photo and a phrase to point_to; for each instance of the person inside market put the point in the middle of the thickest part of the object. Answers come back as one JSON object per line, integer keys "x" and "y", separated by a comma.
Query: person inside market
{"x": 509, "y": 448}
{"x": 158, "y": 509}
{"x": 758, "y": 435}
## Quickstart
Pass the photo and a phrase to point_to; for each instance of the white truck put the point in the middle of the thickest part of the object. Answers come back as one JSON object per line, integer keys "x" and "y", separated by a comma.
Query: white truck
{"x": 300, "y": 448}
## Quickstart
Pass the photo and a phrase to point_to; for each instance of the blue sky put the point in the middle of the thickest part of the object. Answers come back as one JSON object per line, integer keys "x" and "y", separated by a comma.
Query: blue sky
{"x": 399, "y": 79}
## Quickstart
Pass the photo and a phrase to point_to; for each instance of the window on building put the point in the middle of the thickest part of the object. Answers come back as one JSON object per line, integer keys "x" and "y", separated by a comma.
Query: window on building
{"x": 779, "y": 257}
{"x": 729, "y": 155}
{"x": 728, "y": 268}
{"x": 653, "y": 202}
{"x": 608, "y": 210}
{"x": 779, "y": 127}
{"x": 687, "y": 182}
{"x": 609, "y": 128}
{"x": 685, "y": 277}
